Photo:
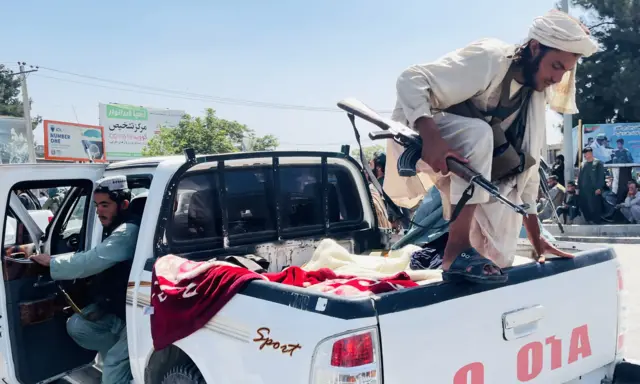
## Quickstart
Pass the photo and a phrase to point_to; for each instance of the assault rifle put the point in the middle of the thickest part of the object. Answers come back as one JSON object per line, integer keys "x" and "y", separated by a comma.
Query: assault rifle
{"x": 412, "y": 143}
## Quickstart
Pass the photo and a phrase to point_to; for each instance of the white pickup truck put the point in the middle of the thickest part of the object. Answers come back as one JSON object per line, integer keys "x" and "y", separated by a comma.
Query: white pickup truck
{"x": 559, "y": 322}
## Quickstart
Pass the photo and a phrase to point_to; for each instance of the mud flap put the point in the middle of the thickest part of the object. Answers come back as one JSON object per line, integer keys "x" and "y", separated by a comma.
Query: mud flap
{"x": 627, "y": 372}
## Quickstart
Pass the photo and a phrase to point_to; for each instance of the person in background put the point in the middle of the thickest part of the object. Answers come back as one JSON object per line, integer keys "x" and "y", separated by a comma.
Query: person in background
{"x": 54, "y": 201}
{"x": 26, "y": 200}
{"x": 378, "y": 202}
{"x": 558, "y": 169}
{"x": 591, "y": 184}
{"x": 622, "y": 155}
{"x": 378, "y": 164}
{"x": 600, "y": 147}
{"x": 631, "y": 206}
{"x": 621, "y": 175}
{"x": 608, "y": 181}
{"x": 569, "y": 206}
{"x": 43, "y": 196}
{"x": 556, "y": 194}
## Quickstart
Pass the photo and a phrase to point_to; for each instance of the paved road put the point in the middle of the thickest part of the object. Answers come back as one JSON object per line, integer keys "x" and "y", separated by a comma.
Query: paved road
{"x": 629, "y": 255}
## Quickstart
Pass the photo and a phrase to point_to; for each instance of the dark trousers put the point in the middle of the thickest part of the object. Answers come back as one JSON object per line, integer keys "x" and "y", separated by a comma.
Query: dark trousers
{"x": 571, "y": 211}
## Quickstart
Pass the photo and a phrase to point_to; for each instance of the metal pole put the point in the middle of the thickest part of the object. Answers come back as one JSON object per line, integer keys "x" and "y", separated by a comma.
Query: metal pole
{"x": 27, "y": 116}
{"x": 567, "y": 141}
{"x": 580, "y": 143}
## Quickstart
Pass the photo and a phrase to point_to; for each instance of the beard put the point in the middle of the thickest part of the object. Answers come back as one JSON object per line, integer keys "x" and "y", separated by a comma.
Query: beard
{"x": 530, "y": 68}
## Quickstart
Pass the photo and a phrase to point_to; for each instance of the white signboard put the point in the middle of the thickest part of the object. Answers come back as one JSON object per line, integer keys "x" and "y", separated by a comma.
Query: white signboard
{"x": 128, "y": 129}
{"x": 73, "y": 142}
{"x": 14, "y": 144}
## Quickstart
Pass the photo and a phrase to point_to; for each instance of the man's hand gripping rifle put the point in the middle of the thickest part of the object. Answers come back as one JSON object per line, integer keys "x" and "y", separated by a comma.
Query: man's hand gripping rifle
{"x": 413, "y": 148}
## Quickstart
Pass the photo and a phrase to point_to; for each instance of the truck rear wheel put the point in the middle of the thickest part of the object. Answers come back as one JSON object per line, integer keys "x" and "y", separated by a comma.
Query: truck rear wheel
{"x": 183, "y": 374}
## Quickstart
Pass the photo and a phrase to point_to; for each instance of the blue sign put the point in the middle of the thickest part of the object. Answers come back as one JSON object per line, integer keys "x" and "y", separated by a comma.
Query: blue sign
{"x": 612, "y": 143}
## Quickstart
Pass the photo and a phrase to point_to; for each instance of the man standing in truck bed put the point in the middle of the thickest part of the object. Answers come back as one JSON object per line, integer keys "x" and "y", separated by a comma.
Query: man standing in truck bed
{"x": 485, "y": 104}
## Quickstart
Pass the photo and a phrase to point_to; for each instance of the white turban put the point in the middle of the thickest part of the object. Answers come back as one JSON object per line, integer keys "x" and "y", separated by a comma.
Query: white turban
{"x": 558, "y": 30}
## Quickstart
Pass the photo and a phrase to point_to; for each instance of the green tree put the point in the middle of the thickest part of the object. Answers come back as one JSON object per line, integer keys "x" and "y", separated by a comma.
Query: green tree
{"x": 10, "y": 102}
{"x": 607, "y": 82}
{"x": 207, "y": 135}
{"x": 369, "y": 151}
{"x": 259, "y": 143}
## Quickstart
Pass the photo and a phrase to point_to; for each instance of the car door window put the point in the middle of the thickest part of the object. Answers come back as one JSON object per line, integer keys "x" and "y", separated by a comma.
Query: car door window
{"x": 36, "y": 314}
{"x": 68, "y": 235}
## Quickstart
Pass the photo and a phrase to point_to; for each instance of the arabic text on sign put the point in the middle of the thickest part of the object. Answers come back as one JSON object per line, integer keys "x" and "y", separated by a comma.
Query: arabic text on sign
{"x": 136, "y": 127}
{"x": 123, "y": 138}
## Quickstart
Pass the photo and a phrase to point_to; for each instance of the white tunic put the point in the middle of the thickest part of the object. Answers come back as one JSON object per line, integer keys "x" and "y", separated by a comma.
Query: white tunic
{"x": 474, "y": 72}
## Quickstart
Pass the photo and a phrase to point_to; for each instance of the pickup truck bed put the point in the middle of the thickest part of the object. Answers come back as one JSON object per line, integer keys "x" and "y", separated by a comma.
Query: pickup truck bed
{"x": 485, "y": 341}
{"x": 533, "y": 328}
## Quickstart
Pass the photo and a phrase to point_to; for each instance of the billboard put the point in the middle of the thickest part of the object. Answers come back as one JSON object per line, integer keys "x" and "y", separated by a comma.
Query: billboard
{"x": 73, "y": 142}
{"x": 129, "y": 128}
{"x": 14, "y": 143}
{"x": 602, "y": 138}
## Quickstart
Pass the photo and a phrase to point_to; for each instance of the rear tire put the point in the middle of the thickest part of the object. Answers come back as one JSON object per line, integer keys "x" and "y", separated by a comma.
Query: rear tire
{"x": 184, "y": 374}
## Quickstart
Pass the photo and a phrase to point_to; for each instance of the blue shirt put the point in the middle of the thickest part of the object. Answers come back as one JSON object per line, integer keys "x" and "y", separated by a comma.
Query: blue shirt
{"x": 117, "y": 247}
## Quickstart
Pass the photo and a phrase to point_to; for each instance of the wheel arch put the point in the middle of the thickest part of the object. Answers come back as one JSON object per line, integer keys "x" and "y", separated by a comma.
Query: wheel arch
{"x": 160, "y": 362}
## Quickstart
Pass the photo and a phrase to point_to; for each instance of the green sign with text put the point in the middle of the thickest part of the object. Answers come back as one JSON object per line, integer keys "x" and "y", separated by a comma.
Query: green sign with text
{"x": 128, "y": 112}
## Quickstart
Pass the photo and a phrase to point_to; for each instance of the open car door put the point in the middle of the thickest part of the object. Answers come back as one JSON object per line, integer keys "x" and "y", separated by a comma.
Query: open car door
{"x": 34, "y": 342}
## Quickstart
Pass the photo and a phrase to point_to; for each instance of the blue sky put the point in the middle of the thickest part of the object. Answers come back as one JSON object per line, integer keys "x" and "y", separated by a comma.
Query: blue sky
{"x": 286, "y": 51}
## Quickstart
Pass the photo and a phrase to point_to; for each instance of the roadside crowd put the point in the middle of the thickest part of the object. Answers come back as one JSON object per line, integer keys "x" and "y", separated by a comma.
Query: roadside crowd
{"x": 599, "y": 195}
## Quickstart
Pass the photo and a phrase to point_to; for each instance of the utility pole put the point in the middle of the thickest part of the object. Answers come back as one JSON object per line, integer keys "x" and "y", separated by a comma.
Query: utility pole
{"x": 567, "y": 141}
{"x": 27, "y": 112}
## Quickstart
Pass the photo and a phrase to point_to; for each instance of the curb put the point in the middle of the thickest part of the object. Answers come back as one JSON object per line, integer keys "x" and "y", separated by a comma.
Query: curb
{"x": 600, "y": 240}
{"x": 600, "y": 231}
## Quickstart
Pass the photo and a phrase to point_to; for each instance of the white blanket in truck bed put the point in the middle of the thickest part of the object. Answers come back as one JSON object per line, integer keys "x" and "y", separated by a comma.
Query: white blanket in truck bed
{"x": 330, "y": 254}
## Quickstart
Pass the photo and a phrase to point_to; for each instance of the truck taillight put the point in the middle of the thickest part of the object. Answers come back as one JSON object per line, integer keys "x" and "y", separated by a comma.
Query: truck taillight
{"x": 50, "y": 218}
{"x": 351, "y": 358}
{"x": 353, "y": 351}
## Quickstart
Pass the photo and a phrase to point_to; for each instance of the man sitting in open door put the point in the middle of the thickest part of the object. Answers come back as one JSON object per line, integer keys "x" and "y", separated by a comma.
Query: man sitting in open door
{"x": 484, "y": 105}
{"x": 101, "y": 325}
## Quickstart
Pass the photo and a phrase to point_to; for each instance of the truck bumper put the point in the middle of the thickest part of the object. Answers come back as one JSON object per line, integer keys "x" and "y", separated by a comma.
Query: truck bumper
{"x": 627, "y": 372}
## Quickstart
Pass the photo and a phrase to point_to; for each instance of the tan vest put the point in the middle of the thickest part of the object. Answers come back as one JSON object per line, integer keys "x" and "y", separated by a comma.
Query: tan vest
{"x": 508, "y": 158}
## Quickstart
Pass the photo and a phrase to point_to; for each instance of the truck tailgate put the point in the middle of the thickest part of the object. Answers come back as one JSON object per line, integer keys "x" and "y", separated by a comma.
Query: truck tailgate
{"x": 548, "y": 324}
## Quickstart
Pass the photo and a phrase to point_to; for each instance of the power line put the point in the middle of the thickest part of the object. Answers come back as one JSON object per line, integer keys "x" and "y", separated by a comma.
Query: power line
{"x": 178, "y": 96}
{"x": 364, "y": 144}
{"x": 189, "y": 95}
{"x": 120, "y": 89}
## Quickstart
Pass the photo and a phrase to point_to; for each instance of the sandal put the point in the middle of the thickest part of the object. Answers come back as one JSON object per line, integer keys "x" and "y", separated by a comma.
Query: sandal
{"x": 473, "y": 267}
